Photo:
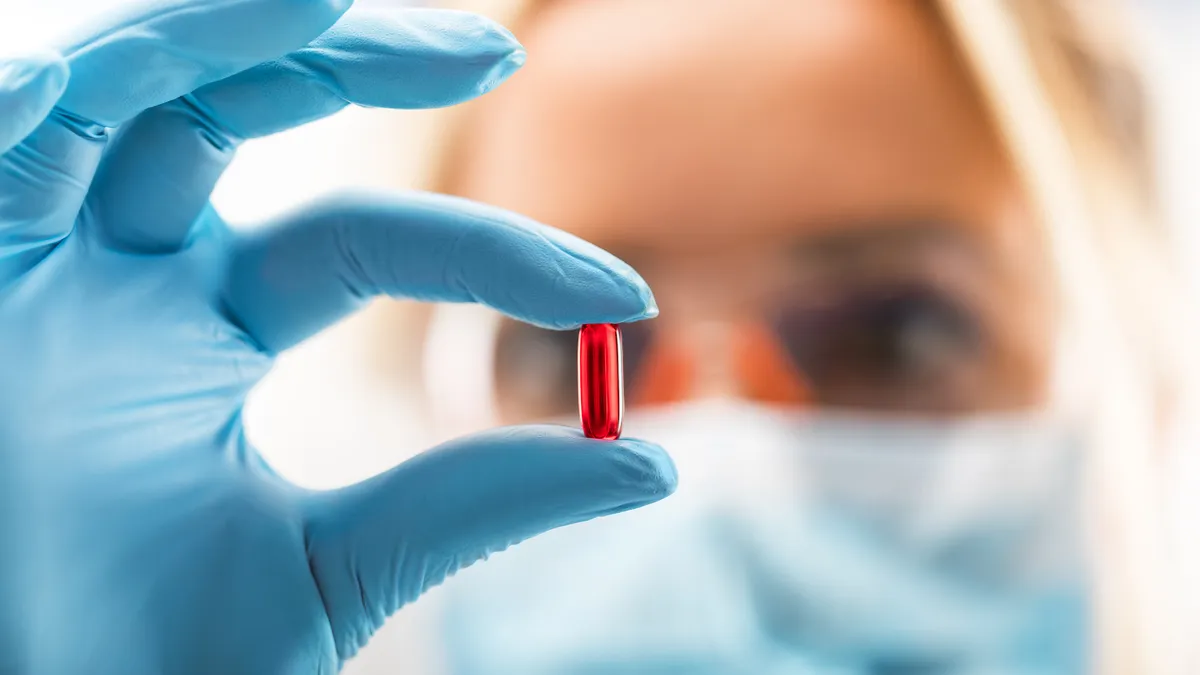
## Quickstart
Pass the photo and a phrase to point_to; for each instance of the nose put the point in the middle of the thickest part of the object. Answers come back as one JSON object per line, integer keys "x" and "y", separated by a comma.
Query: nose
{"x": 714, "y": 358}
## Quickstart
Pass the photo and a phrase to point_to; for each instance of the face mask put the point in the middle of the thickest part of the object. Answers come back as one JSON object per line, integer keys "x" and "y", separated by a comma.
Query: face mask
{"x": 803, "y": 542}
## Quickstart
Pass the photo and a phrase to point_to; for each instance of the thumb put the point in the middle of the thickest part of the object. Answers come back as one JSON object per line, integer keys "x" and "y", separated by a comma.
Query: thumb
{"x": 29, "y": 88}
{"x": 378, "y": 545}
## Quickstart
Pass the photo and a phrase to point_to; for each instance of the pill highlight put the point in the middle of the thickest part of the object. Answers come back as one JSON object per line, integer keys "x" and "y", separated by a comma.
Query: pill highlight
{"x": 601, "y": 381}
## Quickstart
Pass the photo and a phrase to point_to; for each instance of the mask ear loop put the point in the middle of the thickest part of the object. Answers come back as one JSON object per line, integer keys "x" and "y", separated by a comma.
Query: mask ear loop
{"x": 458, "y": 368}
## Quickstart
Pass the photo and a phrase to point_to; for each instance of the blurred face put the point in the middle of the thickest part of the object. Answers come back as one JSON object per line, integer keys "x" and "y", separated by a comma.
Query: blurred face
{"x": 811, "y": 188}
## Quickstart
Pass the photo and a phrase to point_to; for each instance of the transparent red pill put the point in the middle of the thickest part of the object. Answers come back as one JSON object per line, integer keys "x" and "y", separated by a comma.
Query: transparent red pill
{"x": 601, "y": 382}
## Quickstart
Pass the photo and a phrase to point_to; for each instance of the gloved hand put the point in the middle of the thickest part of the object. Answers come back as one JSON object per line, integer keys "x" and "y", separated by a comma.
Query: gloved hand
{"x": 140, "y": 531}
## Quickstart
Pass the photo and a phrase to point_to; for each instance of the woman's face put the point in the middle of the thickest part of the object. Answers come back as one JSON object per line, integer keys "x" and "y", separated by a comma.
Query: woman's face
{"x": 811, "y": 188}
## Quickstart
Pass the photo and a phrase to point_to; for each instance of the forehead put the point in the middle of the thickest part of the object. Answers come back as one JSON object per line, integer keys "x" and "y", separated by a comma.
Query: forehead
{"x": 636, "y": 120}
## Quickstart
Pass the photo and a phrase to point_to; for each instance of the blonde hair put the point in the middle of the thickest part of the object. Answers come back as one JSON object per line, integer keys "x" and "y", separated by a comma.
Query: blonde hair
{"x": 1062, "y": 85}
{"x": 1060, "y": 81}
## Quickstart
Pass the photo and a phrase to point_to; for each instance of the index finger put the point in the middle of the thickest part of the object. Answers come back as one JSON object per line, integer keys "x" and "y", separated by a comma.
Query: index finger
{"x": 302, "y": 273}
{"x": 157, "y": 51}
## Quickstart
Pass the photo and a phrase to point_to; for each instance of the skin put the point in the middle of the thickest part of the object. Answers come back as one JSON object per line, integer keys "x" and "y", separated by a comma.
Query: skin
{"x": 765, "y": 153}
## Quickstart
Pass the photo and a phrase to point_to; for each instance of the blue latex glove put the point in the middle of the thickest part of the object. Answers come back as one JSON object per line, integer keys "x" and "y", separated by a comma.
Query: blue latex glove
{"x": 141, "y": 533}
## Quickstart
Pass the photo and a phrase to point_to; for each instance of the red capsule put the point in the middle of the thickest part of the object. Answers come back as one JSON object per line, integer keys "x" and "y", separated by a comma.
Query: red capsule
{"x": 601, "y": 382}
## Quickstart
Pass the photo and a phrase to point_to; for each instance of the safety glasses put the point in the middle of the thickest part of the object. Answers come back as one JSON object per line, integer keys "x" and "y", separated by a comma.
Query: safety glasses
{"x": 892, "y": 319}
{"x": 892, "y": 348}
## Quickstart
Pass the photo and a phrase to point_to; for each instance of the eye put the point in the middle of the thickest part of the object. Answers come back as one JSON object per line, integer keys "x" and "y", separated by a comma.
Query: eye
{"x": 905, "y": 347}
{"x": 910, "y": 335}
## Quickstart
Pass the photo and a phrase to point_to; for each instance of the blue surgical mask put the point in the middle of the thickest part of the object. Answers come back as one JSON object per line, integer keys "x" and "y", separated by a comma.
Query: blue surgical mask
{"x": 804, "y": 543}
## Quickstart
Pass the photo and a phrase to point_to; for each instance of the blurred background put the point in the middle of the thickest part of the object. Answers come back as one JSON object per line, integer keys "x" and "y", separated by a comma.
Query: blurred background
{"x": 373, "y": 391}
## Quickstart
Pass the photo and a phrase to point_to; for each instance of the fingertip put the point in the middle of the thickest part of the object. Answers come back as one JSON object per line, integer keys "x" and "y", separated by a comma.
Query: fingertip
{"x": 479, "y": 32}
{"x": 646, "y": 307}
{"x": 463, "y": 55}
{"x": 654, "y": 468}
{"x": 651, "y": 305}
{"x": 621, "y": 474}
{"x": 503, "y": 70}
{"x": 611, "y": 292}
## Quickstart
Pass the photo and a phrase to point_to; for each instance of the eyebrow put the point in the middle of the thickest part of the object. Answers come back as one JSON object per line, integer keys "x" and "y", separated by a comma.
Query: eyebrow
{"x": 857, "y": 240}
{"x": 848, "y": 243}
